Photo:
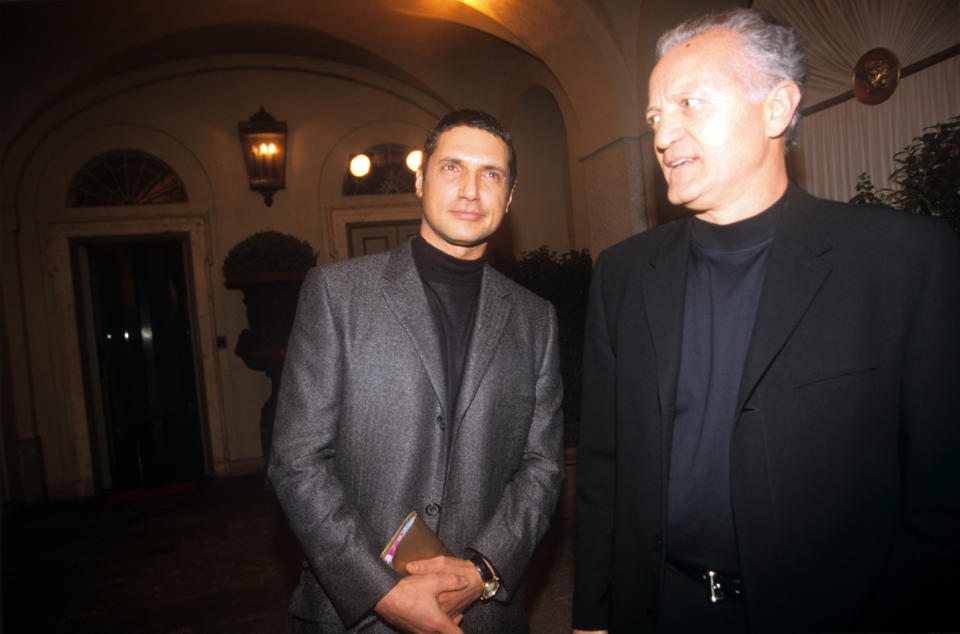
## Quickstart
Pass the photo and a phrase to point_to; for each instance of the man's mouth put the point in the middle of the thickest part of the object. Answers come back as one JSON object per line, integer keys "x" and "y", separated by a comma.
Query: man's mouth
{"x": 466, "y": 214}
{"x": 678, "y": 162}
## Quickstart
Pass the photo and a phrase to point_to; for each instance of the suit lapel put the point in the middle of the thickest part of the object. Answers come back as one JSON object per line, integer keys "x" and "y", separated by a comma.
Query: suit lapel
{"x": 795, "y": 273}
{"x": 493, "y": 308}
{"x": 664, "y": 287}
{"x": 404, "y": 294}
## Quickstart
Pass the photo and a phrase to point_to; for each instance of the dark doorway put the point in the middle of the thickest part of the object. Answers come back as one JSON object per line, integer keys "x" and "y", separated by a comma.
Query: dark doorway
{"x": 135, "y": 316}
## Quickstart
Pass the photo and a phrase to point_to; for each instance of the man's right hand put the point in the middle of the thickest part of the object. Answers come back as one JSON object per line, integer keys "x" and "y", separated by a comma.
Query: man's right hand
{"x": 412, "y": 604}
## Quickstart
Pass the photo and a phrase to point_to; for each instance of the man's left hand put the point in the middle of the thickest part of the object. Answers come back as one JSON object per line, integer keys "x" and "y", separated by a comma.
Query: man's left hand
{"x": 453, "y": 602}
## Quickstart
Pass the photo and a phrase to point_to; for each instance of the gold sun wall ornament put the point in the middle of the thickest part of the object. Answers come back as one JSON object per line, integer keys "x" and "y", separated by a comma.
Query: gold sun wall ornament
{"x": 876, "y": 76}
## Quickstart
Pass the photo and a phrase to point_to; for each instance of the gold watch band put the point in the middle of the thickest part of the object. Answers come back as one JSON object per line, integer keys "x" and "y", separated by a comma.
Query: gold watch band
{"x": 491, "y": 582}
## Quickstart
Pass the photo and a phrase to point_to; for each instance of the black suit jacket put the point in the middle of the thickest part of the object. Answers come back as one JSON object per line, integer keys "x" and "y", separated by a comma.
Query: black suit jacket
{"x": 845, "y": 456}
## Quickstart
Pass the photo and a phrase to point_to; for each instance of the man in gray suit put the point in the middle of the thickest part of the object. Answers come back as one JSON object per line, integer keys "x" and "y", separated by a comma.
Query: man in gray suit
{"x": 421, "y": 379}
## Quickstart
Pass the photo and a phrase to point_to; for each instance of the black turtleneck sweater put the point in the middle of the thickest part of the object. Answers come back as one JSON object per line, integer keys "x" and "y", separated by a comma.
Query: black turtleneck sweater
{"x": 727, "y": 265}
{"x": 452, "y": 287}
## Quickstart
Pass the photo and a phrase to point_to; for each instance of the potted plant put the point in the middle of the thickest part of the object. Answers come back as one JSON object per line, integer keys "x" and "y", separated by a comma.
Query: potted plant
{"x": 268, "y": 267}
{"x": 928, "y": 176}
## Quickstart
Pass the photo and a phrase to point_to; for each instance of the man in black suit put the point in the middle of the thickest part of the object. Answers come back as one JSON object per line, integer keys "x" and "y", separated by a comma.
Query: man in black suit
{"x": 770, "y": 437}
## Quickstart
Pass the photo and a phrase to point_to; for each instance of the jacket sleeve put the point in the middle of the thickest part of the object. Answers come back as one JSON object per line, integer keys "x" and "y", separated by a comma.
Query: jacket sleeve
{"x": 596, "y": 467}
{"x": 926, "y": 556}
{"x": 522, "y": 515}
{"x": 302, "y": 467}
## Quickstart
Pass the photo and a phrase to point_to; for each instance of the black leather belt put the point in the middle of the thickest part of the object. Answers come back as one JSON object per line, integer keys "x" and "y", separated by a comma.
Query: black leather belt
{"x": 720, "y": 587}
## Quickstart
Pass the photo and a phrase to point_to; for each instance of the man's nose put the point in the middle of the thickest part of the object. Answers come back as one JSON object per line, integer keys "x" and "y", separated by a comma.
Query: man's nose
{"x": 668, "y": 132}
{"x": 469, "y": 185}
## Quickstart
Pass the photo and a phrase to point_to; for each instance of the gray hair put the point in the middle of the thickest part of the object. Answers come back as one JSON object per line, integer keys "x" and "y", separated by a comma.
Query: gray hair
{"x": 773, "y": 50}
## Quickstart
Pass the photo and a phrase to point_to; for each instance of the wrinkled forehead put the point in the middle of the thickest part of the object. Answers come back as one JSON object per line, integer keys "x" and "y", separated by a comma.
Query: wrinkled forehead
{"x": 710, "y": 59}
{"x": 469, "y": 146}
{"x": 469, "y": 141}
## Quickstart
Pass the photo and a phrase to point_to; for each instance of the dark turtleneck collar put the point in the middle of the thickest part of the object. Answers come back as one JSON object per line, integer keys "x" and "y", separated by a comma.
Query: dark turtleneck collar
{"x": 739, "y": 235}
{"x": 436, "y": 266}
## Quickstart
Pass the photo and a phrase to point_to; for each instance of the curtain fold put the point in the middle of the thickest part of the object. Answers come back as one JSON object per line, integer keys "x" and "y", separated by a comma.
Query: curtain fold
{"x": 837, "y": 33}
{"x": 840, "y": 142}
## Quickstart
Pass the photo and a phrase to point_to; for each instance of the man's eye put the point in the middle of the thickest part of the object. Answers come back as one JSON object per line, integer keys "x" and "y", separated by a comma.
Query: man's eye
{"x": 653, "y": 120}
{"x": 493, "y": 175}
{"x": 689, "y": 102}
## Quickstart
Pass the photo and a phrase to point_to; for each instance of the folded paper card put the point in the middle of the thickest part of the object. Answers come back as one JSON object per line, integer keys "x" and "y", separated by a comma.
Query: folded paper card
{"x": 413, "y": 540}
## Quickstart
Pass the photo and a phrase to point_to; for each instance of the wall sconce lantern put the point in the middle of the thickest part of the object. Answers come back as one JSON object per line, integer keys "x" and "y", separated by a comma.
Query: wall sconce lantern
{"x": 264, "y": 142}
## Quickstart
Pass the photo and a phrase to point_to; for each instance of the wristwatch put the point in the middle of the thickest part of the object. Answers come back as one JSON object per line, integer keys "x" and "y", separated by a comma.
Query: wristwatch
{"x": 491, "y": 582}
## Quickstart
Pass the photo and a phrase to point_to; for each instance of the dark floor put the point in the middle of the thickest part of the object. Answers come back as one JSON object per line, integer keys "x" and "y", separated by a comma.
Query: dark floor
{"x": 210, "y": 557}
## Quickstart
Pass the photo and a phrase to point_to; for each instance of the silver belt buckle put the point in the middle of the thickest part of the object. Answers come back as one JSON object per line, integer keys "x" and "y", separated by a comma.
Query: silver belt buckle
{"x": 723, "y": 588}
{"x": 716, "y": 589}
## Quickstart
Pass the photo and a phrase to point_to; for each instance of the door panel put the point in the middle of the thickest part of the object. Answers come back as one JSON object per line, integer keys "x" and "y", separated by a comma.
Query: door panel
{"x": 373, "y": 237}
{"x": 147, "y": 428}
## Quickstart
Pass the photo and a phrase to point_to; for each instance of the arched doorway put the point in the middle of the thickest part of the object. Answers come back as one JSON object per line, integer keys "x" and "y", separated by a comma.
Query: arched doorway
{"x": 541, "y": 208}
{"x": 136, "y": 324}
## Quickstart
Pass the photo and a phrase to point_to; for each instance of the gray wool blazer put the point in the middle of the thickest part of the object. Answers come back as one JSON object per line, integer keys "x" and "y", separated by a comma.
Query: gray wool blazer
{"x": 359, "y": 437}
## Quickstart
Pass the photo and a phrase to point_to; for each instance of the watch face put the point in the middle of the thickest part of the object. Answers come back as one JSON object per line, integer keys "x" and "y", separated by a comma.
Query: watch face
{"x": 490, "y": 588}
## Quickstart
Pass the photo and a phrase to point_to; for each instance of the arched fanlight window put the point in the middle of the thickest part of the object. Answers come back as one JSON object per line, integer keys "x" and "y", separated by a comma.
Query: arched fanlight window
{"x": 386, "y": 171}
{"x": 125, "y": 177}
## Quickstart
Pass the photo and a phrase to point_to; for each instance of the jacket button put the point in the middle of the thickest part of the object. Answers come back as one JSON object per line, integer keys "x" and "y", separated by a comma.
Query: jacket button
{"x": 657, "y": 543}
{"x": 441, "y": 422}
{"x": 432, "y": 509}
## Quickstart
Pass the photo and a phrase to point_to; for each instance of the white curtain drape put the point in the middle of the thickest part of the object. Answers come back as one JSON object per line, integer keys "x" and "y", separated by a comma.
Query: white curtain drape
{"x": 838, "y": 143}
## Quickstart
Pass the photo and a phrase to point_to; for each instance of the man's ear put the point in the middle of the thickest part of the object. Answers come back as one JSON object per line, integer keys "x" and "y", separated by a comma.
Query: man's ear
{"x": 782, "y": 102}
{"x": 510, "y": 195}
{"x": 419, "y": 182}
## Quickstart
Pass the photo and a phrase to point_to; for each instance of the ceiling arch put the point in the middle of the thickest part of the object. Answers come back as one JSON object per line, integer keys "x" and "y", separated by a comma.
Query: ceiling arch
{"x": 453, "y": 51}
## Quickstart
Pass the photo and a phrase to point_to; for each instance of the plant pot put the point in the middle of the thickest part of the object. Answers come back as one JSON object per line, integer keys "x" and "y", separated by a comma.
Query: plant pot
{"x": 271, "y": 301}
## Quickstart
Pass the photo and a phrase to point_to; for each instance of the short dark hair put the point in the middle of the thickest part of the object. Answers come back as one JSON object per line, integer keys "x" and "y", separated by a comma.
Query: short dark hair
{"x": 471, "y": 119}
{"x": 773, "y": 48}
